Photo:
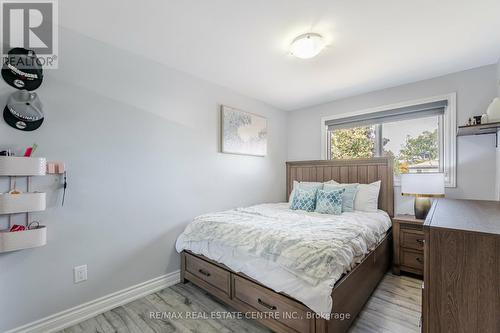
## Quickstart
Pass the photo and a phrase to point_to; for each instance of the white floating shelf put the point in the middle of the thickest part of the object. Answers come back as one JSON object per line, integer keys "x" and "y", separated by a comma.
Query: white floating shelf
{"x": 21, "y": 203}
{"x": 22, "y": 166}
{"x": 18, "y": 240}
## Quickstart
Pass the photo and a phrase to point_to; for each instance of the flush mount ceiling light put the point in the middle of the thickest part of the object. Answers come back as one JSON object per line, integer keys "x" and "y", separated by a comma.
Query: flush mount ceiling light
{"x": 307, "y": 45}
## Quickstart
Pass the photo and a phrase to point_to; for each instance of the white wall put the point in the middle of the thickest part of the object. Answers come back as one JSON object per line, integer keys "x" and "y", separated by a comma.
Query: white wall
{"x": 141, "y": 146}
{"x": 476, "y": 159}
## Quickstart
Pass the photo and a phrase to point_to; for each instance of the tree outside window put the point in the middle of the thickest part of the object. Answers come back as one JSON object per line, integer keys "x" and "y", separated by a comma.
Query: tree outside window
{"x": 415, "y": 152}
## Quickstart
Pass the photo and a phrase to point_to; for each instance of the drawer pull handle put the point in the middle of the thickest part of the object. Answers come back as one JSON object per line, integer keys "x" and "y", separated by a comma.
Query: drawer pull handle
{"x": 421, "y": 241}
{"x": 420, "y": 260}
{"x": 264, "y": 304}
{"x": 203, "y": 272}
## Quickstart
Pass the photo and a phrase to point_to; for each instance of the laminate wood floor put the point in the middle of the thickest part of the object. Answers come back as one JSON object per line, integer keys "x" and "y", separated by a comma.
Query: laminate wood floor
{"x": 394, "y": 307}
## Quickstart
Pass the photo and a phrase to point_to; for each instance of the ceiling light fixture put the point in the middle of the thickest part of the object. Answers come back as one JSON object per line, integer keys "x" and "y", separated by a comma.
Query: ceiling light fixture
{"x": 307, "y": 45}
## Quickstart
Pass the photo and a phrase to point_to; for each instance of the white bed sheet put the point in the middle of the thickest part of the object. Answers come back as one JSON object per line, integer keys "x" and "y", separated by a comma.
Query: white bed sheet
{"x": 317, "y": 297}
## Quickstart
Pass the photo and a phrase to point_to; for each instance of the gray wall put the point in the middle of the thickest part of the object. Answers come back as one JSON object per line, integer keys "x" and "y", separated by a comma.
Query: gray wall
{"x": 476, "y": 158}
{"x": 141, "y": 146}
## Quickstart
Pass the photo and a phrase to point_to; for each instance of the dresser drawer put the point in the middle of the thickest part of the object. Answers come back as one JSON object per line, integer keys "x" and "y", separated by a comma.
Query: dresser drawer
{"x": 413, "y": 259}
{"x": 412, "y": 239}
{"x": 209, "y": 273}
{"x": 275, "y": 306}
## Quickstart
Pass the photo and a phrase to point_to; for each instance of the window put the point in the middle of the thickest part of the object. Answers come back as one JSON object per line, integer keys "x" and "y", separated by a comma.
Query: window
{"x": 355, "y": 142}
{"x": 414, "y": 144}
{"x": 418, "y": 136}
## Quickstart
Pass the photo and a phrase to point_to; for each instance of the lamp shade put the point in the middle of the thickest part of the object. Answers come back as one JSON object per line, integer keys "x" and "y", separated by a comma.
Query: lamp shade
{"x": 423, "y": 184}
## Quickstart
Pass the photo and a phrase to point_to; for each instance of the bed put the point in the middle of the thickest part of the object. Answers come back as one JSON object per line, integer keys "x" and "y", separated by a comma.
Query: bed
{"x": 258, "y": 259}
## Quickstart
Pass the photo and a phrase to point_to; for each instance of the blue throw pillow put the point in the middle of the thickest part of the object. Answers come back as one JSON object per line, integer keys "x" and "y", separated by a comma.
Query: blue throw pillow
{"x": 348, "y": 197}
{"x": 329, "y": 202}
{"x": 304, "y": 200}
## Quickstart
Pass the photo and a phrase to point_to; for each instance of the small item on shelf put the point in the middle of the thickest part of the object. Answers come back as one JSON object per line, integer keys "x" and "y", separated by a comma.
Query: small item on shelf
{"x": 17, "y": 227}
{"x": 477, "y": 120}
{"x": 55, "y": 168}
{"x": 6, "y": 152}
{"x": 484, "y": 119}
{"x": 51, "y": 168}
{"x": 14, "y": 190}
{"x": 34, "y": 225}
{"x": 30, "y": 150}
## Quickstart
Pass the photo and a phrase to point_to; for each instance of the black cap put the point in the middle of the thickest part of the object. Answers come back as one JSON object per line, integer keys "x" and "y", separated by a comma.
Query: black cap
{"x": 22, "y": 70}
{"x": 23, "y": 111}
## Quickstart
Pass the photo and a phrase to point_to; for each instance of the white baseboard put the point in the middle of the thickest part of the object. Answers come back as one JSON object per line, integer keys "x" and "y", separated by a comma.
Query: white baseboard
{"x": 90, "y": 309}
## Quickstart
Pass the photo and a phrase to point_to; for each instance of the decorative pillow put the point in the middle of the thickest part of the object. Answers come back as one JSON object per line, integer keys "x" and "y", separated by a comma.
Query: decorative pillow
{"x": 305, "y": 186}
{"x": 348, "y": 197}
{"x": 329, "y": 202}
{"x": 366, "y": 198}
{"x": 304, "y": 200}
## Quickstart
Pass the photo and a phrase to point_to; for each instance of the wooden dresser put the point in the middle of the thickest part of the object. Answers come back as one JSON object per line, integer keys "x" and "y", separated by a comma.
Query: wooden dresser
{"x": 461, "y": 291}
{"x": 408, "y": 245}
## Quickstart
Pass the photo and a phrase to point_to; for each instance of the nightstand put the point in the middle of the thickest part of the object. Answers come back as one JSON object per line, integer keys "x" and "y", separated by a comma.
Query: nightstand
{"x": 408, "y": 242}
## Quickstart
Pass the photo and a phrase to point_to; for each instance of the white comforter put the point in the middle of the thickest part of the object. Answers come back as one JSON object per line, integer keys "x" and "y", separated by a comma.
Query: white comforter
{"x": 301, "y": 254}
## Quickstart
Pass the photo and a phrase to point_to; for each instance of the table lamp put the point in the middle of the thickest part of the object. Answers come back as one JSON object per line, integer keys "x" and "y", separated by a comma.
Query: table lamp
{"x": 423, "y": 186}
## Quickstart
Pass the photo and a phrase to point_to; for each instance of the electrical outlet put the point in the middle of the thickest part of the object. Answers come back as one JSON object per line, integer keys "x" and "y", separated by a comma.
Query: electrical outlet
{"x": 80, "y": 273}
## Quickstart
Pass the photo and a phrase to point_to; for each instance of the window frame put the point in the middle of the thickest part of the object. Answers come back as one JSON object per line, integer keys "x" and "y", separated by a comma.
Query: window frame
{"x": 447, "y": 133}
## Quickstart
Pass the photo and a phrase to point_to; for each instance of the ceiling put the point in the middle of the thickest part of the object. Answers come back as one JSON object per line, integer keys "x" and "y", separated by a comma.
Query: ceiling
{"x": 243, "y": 45}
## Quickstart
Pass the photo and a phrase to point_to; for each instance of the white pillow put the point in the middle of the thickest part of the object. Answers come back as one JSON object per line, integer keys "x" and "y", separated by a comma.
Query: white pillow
{"x": 305, "y": 186}
{"x": 366, "y": 199}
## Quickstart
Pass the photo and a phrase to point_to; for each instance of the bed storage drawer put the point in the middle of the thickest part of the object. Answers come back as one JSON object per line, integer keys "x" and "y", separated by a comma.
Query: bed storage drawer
{"x": 412, "y": 239}
{"x": 269, "y": 304}
{"x": 209, "y": 273}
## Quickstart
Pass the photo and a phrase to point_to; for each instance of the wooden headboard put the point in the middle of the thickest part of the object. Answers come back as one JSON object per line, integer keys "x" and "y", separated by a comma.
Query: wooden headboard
{"x": 363, "y": 171}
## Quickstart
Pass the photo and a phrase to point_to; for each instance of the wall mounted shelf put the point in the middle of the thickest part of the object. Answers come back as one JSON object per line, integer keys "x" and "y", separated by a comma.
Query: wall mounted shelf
{"x": 489, "y": 128}
{"x": 22, "y": 166}
{"x": 21, "y": 203}
{"x": 24, "y": 202}
{"x": 19, "y": 240}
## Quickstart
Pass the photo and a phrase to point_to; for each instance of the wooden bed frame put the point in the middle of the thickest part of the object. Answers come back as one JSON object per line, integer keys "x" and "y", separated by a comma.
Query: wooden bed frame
{"x": 280, "y": 312}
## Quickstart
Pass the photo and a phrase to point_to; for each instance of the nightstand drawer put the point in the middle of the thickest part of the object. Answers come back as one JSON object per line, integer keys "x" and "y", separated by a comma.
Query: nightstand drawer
{"x": 412, "y": 239}
{"x": 413, "y": 259}
{"x": 408, "y": 244}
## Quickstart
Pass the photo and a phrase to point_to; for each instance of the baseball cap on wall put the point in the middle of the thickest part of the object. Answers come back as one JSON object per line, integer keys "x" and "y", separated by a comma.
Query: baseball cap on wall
{"x": 24, "y": 111}
{"x": 21, "y": 69}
